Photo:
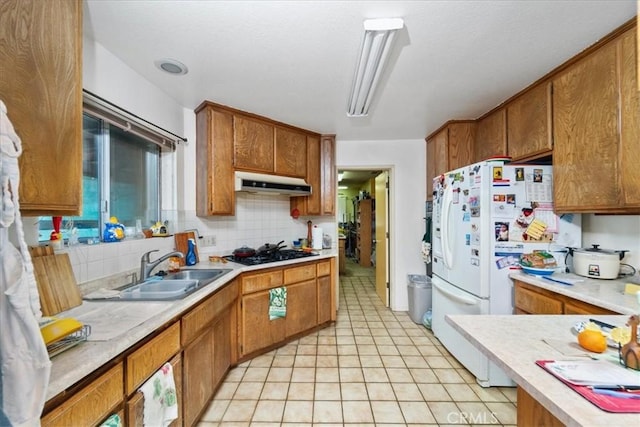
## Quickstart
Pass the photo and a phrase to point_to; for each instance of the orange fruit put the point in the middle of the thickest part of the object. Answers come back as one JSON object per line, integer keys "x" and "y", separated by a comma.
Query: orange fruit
{"x": 592, "y": 340}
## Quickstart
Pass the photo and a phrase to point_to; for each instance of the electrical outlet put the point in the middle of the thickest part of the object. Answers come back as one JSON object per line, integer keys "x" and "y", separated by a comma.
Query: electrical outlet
{"x": 209, "y": 240}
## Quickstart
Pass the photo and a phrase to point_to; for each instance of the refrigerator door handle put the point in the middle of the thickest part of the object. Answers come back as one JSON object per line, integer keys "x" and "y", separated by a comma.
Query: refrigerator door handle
{"x": 454, "y": 297}
{"x": 445, "y": 228}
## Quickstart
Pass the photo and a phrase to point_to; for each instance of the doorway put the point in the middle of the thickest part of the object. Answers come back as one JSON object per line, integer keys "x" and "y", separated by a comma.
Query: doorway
{"x": 363, "y": 221}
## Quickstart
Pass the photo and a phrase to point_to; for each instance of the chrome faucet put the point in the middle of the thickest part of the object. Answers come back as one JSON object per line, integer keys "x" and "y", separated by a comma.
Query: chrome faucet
{"x": 146, "y": 265}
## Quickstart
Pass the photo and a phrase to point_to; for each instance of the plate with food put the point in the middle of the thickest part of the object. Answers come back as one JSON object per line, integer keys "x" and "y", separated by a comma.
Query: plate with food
{"x": 538, "y": 271}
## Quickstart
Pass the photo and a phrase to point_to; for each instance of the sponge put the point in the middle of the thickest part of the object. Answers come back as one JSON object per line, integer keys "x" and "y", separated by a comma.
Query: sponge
{"x": 631, "y": 288}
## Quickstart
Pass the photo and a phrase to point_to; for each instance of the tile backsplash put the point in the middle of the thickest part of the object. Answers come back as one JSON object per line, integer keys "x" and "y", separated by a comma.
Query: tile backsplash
{"x": 259, "y": 219}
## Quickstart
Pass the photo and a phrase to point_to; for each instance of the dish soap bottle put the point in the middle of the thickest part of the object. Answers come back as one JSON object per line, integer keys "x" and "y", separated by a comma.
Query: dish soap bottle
{"x": 190, "y": 259}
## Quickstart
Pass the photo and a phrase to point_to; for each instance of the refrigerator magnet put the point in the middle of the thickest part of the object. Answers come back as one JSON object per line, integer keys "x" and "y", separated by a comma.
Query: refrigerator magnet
{"x": 519, "y": 174}
{"x": 497, "y": 173}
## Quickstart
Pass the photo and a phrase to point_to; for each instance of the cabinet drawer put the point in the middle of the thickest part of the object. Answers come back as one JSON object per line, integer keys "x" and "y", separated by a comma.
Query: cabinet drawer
{"x": 577, "y": 307}
{"x": 91, "y": 404}
{"x": 261, "y": 281}
{"x": 535, "y": 303}
{"x": 299, "y": 274}
{"x": 146, "y": 360}
{"x": 324, "y": 268}
{"x": 201, "y": 316}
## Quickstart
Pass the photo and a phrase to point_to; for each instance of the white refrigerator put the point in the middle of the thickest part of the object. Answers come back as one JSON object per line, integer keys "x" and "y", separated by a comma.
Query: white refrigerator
{"x": 484, "y": 216}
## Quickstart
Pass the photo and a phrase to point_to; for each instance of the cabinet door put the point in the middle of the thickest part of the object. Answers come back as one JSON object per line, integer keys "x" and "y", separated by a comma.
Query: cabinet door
{"x": 135, "y": 405}
{"x": 324, "y": 299}
{"x": 41, "y": 85}
{"x": 460, "y": 144}
{"x": 311, "y": 205}
{"x": 630, "y": 119}
{"x": 223, "y": 344}
{"x": 291, "y": 153}
{"x": 253, "y": 144}
{"x": 328, "y": 178}
{"x": 529, "y": 301}
{"x": 431, "y": 167}
{"x": 529, "y": 123}
{"x": 91, "y": 404}
{"x": 197, "y": 383}
{"x": 301, "y": 307}
{"x": 585, "y": 133}
{"x": 257, "y": 330}
{"x": 215, "y": 193}
{"x": 491, "y": 136}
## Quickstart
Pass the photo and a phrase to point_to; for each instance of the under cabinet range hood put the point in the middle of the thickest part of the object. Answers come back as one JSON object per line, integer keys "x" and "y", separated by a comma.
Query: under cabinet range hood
{"x": 272, "y": 184}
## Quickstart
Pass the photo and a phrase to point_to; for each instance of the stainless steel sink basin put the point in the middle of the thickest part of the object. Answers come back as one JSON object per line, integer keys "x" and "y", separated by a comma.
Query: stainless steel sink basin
{"x": 173, "y": 286}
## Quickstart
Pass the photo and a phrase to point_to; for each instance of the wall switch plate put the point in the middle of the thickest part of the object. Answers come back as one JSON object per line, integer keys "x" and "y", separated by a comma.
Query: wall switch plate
{"x": 209, "y": 240}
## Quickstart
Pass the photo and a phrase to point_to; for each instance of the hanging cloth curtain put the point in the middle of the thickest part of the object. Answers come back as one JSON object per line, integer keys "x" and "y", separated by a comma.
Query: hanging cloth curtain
{"x": 24, "y": 362}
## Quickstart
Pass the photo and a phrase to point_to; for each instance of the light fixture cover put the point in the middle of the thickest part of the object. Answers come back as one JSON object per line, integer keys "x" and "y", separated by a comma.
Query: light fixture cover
{"x": 376, "y": 45}
{"x": 172, "y": 66}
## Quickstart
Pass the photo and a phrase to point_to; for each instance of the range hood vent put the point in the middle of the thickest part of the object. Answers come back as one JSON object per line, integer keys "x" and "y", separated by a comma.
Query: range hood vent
{"x": 272, "y": 184}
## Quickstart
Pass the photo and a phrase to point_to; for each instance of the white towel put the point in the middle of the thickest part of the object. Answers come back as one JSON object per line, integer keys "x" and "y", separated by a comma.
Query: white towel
{"x": 160, "y": 399}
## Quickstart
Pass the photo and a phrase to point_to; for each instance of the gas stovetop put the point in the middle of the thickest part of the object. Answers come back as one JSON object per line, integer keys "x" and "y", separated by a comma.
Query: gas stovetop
{"x": 281, "y": 255}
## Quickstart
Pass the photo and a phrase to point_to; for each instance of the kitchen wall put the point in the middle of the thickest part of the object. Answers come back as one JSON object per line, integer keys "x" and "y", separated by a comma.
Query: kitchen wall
{"x": 615, "y": 232}
{"x": 406, "y": 162}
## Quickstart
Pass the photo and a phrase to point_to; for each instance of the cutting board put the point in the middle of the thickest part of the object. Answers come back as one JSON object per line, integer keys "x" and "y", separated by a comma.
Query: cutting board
{"x": 182, "y": 244}
{"x": 56, "y": 283}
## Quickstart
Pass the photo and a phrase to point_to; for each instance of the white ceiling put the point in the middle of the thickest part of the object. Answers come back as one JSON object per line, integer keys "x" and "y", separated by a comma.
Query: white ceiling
{"x": 293, "y": 61}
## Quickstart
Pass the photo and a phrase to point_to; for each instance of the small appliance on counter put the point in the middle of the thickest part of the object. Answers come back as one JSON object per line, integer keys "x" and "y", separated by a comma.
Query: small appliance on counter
{"x": 597, "y": 263}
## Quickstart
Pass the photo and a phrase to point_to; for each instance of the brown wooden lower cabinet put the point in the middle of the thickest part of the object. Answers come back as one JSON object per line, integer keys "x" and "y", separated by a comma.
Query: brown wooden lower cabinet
{"x": 530, "y": 299}
{"x": 325, "y": 309}
{"x": 92, "y": 404}
{"x": 135, "y": 405}
{"x": 532, "y": 414}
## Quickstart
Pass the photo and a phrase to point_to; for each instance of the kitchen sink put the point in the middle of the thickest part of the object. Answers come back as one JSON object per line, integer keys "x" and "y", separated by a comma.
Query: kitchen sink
{"x": 173, "y": 286}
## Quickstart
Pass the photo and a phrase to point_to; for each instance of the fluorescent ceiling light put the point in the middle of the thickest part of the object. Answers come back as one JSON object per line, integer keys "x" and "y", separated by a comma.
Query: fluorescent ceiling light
{"x": 340, "y": 176}
{"x": 378, "y": 38}
{"x": 342, "y": 187}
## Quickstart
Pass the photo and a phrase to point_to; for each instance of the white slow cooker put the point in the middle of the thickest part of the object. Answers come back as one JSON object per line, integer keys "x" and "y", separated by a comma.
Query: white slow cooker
{"x": 596, "y": 263}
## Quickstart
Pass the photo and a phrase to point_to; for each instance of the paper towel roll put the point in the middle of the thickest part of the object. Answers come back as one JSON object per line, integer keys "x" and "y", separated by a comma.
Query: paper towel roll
{"x": 316, "y": 237}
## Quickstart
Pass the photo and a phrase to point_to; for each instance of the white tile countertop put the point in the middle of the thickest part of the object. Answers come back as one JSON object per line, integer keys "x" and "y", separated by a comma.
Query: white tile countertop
{"x": 514, "y": 343}
{"x": 118, "y": 325}
{"x": 607, "y": 294}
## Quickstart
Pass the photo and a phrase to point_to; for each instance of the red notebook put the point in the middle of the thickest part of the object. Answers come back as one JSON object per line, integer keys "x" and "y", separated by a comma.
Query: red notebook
{"x": 602, "y": 401}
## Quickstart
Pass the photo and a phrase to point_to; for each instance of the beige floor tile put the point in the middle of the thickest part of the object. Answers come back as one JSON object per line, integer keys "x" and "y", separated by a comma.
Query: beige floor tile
{"x": 309, "y": 339}
{"x": 347, "y": 350}
{"x": 345, "y": 340}
{"x": 448, "y": 376}
{"x": 408, "y": 350}
{"x": 434, "y": 393}
{"x": 505, "y": 412}
{"x": 255, "y": 374}
{"x": 275, "y": 391}
{"x": 327, "y": 375}
{"x": 327, "y": 349}
{"x": 354, "y": 391}
{"x": 385, "y": 342}
{"x": 510, "y": 393}
{"x": 467, "y": 376}
{"x": 327, "y": 411}
{"x": 438, "y": 362}
{"x": 216, "y": 410}
{"x": 399, "y": 375}
{"x": 400, "y": 338}
{"x": 393, "y": 361}
{"x": 235, "y": 374}
{"x": 349, "y": 361}
{"x": 415, "y": 362}
{"x": 326, "y": 360}
{"x": 269, "y": 410}
{"x": 298, "y": 412}
{"x": 226, "y": 390}
{"x": 262, "y": 361}
{"x": 423, "y": 375}
{"x": 461, "y": 392}
{"x": 380, "y": 391}
{"x": 429, "y": 350}
{"x": 364, "y": 339}
{"x": 343, "y": 332}
{"x": 301, "y": 391}
{"x": 376, "y": 325}
{"x": 283, "y": 361}
{"x": 367, "y": 349}
{"x": 279, "y": 374}
{"x": 357, "y": 412}
{"x": 351, "y": 375}
{"x": 307, "y": 349}
{"x": 326, "y": 339}
{"x": 371, "y": 361}
{"x": 305, "y": 361}
{"x": 446, "y": 413}
{"x": 416, "y": 413}
{"x": 387, "y": 350}
{"x": 327, "y": 391}
{"x": 375, "y": 375}
{"x": 387, "y": 412}
{"x": 240, "y": 410}
{"x": 381, "y": 334}
{"x": 407, "y": 391}
{"x": 303, "y": 375}
{"x": 248, "y": 390}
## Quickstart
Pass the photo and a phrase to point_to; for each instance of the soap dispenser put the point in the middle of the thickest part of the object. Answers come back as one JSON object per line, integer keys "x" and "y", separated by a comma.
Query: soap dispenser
{"x": 190, "y": 259}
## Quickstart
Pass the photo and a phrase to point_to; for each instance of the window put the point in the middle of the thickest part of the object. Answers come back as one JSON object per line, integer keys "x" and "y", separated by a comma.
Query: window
{"x": 120, "y": 174}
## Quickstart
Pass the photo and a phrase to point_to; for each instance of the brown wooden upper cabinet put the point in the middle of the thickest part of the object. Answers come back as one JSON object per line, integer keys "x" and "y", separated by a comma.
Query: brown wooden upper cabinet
{"x": 228, "y": 140}
{"x": 41, "y": 85}
{"x": 596, "y": 131}
{"x": 491, "y": 136}
{"x": 254, "y": 146}
{"x": 529, "y": 123}
{"x": 449, "y": 148}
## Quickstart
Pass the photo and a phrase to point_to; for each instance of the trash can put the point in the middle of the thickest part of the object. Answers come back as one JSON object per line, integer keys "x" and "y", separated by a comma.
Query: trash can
{"x": 419, "y": 288}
